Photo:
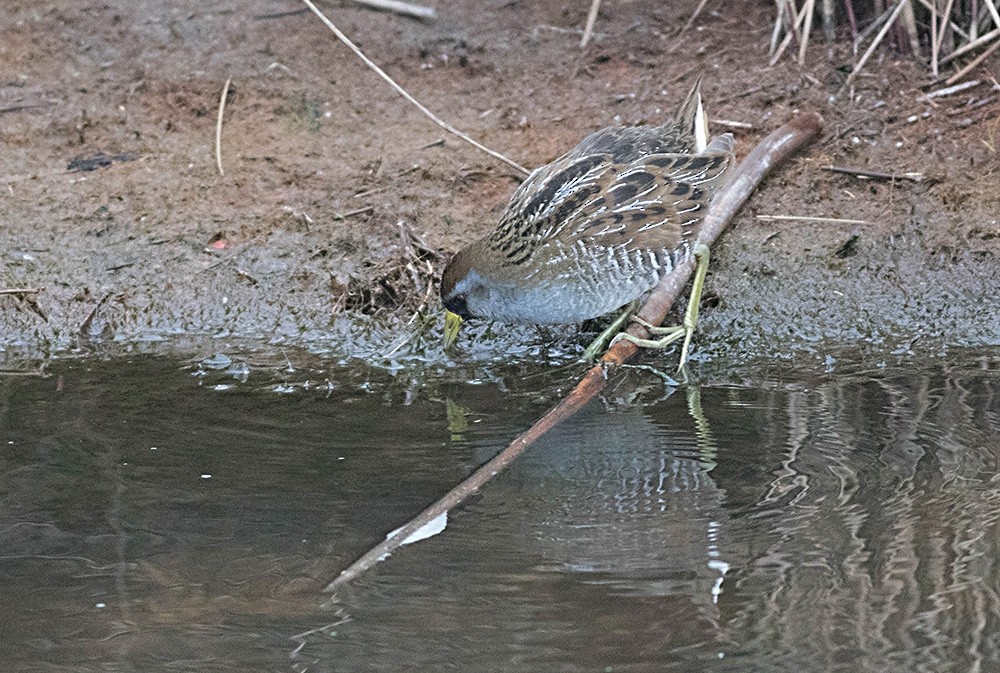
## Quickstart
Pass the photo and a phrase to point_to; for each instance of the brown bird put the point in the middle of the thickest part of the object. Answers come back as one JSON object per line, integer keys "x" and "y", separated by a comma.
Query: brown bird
{"x": 596, "y": 228}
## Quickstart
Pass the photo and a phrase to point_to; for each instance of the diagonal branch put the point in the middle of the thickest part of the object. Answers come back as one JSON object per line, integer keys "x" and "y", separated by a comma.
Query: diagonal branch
{"x": 770, "y": 152}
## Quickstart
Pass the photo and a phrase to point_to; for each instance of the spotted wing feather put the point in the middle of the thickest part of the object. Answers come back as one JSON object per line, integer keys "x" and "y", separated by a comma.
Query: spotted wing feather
{"x": 656, "y": 203}
{"x": 653, "y": 202}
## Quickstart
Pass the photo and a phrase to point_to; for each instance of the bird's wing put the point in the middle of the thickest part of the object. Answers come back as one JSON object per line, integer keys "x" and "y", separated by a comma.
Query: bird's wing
{"x": 654, "y": 202}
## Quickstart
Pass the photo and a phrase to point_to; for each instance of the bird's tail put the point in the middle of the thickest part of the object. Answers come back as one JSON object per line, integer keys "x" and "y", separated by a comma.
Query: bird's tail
{"x": 723, "y": 144}
{"x": 692, "y": 119}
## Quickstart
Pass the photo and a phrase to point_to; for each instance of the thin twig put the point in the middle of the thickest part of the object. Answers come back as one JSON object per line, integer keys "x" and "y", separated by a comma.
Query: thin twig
{"x": 402, "y": 92}
{"x": 729, "y": 123}
{"x": 26, "y": 106}
{"x": 809, "y": 218}
{"x": 828, "y": 22}
{"x": 218, "y": 126}
{"x": 806, "y": 30}
{"x": 909, "y": 20}
{"x": 971, "y": 46}
{"x": 737, "y": 96}
{"x": 279, "y": 15}
{"x": 84, "y": 329}
{"x": 994, "y": 14}
{"x": 875, "y": 42}
{"x": 936, "y": 44}
{"x": 352, "y": 213}
{"x": 849, "y": 9}
{"x": 875, "y": 175}
{"x": 799, "y": 18}
{"x": 929, "y": 5}
{"x": 417, "y": 241}
{"x": 974, "y": 23}
{"x": 404, "y": 8}
{"x": 588, "y": 29}
{"x": 973, "y": 64}
{"x": 969, "y": 107}
{"x": 558, "y": 29}
{"x": 934, "y": 34}
{"x": 869, "y": 29}
{"x": 950, "y": 90}
{"x": 40, "y": 372}
{"x": 776, "y": 31}
{"x": 748, "y": 175}
{"x": 697, "y": 12}
{"x": 20, "y": 290}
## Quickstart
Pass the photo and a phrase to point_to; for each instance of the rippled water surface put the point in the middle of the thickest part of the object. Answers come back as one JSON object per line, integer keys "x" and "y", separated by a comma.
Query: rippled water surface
{"x": 185, "y": 516}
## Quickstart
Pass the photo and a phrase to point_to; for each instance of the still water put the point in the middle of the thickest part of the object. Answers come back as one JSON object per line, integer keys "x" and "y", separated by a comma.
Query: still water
{"x": 159, "y": 515}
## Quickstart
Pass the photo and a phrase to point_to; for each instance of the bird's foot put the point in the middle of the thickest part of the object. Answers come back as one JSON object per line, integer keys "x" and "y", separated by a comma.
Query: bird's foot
{"x": 601, "y": 343}
{"x": 669, "y": 335}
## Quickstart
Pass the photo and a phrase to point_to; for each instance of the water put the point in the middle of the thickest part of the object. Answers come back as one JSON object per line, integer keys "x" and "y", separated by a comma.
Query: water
{"x": 174, "y": 516}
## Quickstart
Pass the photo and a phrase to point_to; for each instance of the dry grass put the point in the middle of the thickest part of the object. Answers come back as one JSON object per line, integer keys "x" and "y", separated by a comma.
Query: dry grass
{"x": 939, "y": 32}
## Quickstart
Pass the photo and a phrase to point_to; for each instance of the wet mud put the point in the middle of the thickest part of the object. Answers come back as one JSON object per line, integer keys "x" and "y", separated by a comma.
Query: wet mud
{"x": 340, "y": 202}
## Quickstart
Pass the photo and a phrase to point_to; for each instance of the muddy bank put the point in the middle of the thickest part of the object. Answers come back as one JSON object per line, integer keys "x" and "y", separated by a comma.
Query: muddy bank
{"x": 339, "y": 204}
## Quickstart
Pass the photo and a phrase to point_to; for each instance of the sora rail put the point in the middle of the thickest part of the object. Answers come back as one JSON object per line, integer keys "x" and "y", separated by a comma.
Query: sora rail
{"x": 596, "y": 228}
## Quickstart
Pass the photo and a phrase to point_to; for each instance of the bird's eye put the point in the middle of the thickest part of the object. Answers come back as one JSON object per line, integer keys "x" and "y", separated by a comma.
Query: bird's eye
{"x": 457, "y": 305}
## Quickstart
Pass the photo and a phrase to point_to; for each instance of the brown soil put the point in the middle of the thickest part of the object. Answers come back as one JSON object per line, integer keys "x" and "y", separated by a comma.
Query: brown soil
{"x": 301, "y": 240}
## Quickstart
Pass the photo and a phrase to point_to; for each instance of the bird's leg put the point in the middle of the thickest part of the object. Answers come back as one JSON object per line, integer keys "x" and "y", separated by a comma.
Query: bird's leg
{"x": 598, "y": 344}
{"x": 668, "y": 335}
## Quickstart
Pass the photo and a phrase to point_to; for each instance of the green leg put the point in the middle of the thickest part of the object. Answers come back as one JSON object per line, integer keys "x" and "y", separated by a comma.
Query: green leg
{"x": 599, "y": 344}
{"x": 671, "y": 334}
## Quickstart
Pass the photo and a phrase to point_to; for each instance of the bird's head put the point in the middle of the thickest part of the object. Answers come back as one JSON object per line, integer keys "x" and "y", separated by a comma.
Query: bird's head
{"x": 462, "y": 290}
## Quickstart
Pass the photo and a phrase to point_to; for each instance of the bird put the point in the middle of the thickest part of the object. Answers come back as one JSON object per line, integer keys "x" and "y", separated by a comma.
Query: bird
{"x": 596, "y": 228}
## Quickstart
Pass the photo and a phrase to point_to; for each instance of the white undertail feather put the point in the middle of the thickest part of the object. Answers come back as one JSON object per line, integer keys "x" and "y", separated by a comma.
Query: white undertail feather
{"x": 700, "y": 128}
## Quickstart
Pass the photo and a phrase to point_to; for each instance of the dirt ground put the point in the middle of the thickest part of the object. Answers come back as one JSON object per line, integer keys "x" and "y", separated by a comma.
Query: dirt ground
{"x": 331, "y": 181}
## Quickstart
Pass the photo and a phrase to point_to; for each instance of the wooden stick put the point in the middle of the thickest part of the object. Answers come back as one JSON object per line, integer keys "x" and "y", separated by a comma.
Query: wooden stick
{"x": 771, "y": 151}
{"x": 588, "y": 30}
{"x": 402, "y": 92}
{"x": 20, "y": 290}
{"x": 404, "y": 8}
{"x": 218, "y": 127}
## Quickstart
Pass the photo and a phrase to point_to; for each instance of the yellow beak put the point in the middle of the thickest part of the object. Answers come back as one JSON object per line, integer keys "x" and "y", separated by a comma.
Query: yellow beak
{"x": 452, "y": 323}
